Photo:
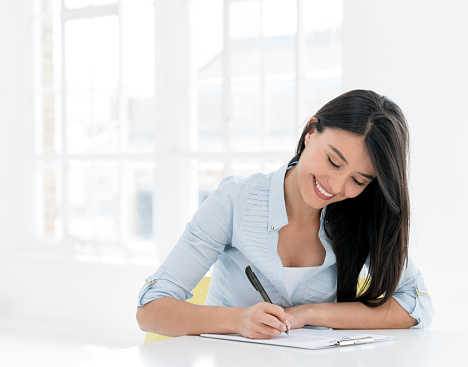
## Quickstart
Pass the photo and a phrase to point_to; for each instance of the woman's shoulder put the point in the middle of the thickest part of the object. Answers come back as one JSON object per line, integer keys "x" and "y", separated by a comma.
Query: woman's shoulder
{"x": 256, "y": 181}
{"x": 257, "y": 187}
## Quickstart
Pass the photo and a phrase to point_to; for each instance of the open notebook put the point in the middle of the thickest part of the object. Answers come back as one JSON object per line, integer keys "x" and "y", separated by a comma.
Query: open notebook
{"x": 311, "y": 338}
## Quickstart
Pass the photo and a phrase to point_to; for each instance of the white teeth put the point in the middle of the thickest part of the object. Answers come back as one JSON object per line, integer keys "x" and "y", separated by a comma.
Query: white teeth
{"x": 322, "y": 190}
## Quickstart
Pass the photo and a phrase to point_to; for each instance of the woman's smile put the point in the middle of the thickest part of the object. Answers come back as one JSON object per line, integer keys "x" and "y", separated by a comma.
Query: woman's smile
{"x": 320, "y": 191}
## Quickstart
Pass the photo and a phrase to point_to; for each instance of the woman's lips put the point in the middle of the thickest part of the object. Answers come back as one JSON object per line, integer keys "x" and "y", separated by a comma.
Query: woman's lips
{"x": 318, "y": 193}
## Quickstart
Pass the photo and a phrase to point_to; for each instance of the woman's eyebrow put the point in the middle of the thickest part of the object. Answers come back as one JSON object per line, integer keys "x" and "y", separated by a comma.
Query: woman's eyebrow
{"x": 370, "y": 177}
{"x": 338, "y": 153}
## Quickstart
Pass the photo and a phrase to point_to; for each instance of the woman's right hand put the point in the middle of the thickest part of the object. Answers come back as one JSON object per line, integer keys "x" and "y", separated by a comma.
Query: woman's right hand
{"x": 263, "y": 321}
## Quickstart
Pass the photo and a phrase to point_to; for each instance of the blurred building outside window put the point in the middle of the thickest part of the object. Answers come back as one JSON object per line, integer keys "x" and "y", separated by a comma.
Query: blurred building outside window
{"x": 107, "y": 170}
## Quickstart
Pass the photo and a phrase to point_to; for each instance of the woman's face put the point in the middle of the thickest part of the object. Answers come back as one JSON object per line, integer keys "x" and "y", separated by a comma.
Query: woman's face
{"x": 337, "y": 162}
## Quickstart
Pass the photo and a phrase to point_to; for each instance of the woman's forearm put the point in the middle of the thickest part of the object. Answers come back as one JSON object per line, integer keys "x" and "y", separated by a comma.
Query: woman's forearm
{"x": 172, "y": 317}
{"x": 356, "y": 315}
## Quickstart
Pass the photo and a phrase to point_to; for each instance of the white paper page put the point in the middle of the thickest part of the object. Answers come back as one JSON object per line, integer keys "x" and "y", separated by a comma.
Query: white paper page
{"x": 304, "y": 338}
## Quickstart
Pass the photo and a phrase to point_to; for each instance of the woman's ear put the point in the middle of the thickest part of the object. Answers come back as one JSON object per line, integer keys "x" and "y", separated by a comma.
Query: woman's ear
{"x": 311, "y": 131}
{"x": 307, "y": 137}
{"x": 311, "y": 120}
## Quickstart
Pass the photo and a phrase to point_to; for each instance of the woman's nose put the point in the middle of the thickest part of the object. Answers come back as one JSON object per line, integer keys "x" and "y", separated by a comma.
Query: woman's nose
{"x": 337, "y": 184}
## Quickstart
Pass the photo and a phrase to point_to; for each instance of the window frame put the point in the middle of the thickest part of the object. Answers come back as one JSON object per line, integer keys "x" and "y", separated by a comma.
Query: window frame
{"x": 175, "y": 157}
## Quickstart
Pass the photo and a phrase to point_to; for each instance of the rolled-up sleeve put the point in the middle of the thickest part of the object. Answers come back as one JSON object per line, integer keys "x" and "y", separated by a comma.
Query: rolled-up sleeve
{"x": 413, "y": 296}
{"x": 204, "y": 238}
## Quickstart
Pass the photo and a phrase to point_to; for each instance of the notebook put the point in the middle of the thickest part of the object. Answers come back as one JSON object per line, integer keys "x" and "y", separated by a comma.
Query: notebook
{"x": 311, "y": 338}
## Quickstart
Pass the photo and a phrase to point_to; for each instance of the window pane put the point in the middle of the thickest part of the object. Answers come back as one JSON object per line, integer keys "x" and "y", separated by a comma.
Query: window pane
{"x": 93, "y": 201}
{"x": 322, "y": 15}
{"x": 280, "y": 115}
{"x": 210, "y": 175}
{"x": 92, "y": 122}
{"x": 141, "y": 114}
{"x": 79, "y": 122}
{"x": 80, "y": 206}
{"x": 206, "y": 38}
{"x": 78, "y": 62}
{"x": 107, "y": 204}
{"x": 92, "y": 53}
{"x": 210, "y": 118}
{"x": 105, "y": 51}
{"x": 106, "y": 133}
{"x": 246, "y": 118}
{"x": 103, "y": 2}
{"x": 279, "y": 28}
{"x": 139, "y": 187}
{"x": 279, "y": 18}
{"x": 138, "y": 46}
{"x": 74, "y": 4}
{"x": 245, "y": 31}
{"x": 319, "y": 92}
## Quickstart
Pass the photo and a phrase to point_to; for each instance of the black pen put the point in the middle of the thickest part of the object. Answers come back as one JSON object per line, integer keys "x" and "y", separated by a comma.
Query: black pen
{"x": 258, "y": 286}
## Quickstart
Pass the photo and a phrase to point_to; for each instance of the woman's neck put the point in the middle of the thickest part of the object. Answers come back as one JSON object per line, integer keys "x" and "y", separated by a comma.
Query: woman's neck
{"x": 298, "y": 211}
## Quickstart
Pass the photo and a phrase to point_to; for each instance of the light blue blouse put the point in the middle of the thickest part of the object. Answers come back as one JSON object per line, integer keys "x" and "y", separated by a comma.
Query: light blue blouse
{"x": 237, "y": 226}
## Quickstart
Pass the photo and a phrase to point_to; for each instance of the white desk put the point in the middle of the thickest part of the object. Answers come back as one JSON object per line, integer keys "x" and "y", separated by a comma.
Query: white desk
{"x": 413, "y": 348}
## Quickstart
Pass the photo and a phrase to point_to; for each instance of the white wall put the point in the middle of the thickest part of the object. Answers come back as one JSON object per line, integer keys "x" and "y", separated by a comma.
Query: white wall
{"x": 415, "y": 53}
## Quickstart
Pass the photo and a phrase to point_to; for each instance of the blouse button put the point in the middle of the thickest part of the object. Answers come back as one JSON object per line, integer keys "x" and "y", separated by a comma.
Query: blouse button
{"x": 272, "y": 227}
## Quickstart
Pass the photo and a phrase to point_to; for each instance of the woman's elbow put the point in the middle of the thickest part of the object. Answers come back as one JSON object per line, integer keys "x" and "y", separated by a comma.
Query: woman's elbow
{"x": 143, "y": 317}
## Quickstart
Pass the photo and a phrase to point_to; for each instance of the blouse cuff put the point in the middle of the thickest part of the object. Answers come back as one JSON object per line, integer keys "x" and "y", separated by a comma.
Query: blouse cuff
{"x": 415, "y": 299}
{"x": 157, "y": 286}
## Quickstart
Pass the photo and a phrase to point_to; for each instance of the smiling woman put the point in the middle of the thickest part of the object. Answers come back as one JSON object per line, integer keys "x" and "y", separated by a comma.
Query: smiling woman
{"x": 361, "y": 133}
{"x": 341, "y": 204}
{"x": 338, "y": 181}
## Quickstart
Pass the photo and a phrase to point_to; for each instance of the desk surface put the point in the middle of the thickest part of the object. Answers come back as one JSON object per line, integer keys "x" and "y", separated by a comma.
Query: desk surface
{"x": 413, "y": 348}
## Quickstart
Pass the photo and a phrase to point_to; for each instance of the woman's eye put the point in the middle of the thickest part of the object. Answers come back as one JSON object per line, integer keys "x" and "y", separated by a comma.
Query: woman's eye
{"x": 359, "y": 183}
{"x": 333, "y": 164}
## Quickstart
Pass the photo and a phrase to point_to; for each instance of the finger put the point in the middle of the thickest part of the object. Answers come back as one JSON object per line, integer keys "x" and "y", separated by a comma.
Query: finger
{"x": 267, "y": 332}
{"x": 276, "y": 311}
{"x": 256, "y": 335}
{"x": 273, "y": 322}
{"x": 279, "y": 313}
{"x": 289, "y": 319}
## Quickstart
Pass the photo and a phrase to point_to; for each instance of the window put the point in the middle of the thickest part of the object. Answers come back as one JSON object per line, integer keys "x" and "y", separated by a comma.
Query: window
{"x": 143, "y": 106}
{"x": 259, "y": 69}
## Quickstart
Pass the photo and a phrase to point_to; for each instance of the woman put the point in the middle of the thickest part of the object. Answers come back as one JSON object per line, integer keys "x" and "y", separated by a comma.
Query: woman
{"x": 307, "y": 231}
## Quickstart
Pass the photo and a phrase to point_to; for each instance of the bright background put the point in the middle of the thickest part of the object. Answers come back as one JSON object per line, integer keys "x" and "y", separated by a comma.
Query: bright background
{"x": 120, "y": 117}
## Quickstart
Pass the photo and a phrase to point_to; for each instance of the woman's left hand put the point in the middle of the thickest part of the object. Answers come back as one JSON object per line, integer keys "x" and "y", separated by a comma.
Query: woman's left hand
{"x": 301, "y": 315}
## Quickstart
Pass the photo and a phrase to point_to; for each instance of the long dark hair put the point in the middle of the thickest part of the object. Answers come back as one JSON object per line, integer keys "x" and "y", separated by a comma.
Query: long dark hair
{"x": 376, "y": 223}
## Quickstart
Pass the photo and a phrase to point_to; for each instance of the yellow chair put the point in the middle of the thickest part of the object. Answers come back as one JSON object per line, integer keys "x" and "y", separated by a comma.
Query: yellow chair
{"x": 362, "y": 286}
{"x": 199, "y": 297}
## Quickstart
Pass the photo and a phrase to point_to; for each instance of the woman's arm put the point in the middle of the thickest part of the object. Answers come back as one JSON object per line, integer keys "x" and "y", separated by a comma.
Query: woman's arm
{"x": 352, "y": 315}
{"x": 409, "y": 306}
{"x": 173, "y": 317}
